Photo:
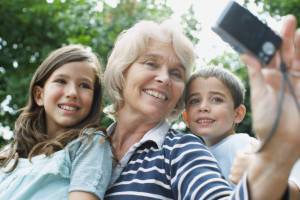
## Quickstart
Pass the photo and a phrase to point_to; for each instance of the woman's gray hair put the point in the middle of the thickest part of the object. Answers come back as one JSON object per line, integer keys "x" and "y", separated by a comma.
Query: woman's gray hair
{"x": 131, "y": 43}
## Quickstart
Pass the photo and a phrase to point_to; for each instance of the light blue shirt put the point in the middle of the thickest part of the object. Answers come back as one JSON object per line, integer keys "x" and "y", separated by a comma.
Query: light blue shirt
{"x": 225, "y": 151}
{"x": 85, "y": 165}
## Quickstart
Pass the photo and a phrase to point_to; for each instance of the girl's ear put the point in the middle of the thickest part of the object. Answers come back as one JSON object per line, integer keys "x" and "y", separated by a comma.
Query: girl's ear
{"x": 185, "y": 118}
{"x": 240, "y": 113}
{"x": 38, "y": 94}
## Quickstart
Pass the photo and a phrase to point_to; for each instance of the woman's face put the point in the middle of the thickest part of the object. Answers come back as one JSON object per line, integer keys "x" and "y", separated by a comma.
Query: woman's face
{"x": 154, "y": 83}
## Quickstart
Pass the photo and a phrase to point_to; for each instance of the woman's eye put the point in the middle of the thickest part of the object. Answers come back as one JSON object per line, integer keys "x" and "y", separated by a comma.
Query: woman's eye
{"x": 151, "y": 64}
{"x": 177, "y": 74}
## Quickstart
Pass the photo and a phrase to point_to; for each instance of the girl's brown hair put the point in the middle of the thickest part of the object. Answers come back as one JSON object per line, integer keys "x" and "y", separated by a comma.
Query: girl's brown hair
{"x": 30, "y": 137}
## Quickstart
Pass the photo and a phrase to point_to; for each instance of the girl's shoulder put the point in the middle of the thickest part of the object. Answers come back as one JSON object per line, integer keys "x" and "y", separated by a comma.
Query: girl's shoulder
{"x": 93, "y": 132}
{"x": 89, "y": 138}
{"x": 88, "y": 135}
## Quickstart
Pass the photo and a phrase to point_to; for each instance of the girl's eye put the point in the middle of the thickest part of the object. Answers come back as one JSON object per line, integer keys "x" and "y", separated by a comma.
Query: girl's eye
{"x": 217, "y": 100}
{"x": 85, "y": 85}
{"x": 60, "y": 81}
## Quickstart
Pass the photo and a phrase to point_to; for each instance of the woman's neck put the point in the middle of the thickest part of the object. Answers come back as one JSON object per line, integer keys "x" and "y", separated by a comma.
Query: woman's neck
{"x": 128, "y": 131}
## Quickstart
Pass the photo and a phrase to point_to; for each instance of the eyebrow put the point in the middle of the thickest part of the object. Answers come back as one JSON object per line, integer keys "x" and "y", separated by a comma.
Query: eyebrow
{"x": 211, "y": 92}
{"x": 218, "y": 93}
{"x": 192, "y": 95}
{"x": 81, "y": 78}
{"x": 158, "y": 57}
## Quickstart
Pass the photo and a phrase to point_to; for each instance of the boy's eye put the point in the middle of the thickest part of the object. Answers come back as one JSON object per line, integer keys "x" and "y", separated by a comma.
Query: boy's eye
{"x": 193, "y": 101}
{"x": 217, "y": 100}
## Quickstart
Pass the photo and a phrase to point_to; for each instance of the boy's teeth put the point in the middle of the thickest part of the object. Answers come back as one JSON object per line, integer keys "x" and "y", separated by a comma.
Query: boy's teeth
{"x": 205, "y": 121}
{"x": 156, "y": 94}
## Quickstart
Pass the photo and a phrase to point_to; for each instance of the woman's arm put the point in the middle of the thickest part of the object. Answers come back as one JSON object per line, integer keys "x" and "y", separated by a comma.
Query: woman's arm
{"x": 268, "y": 173}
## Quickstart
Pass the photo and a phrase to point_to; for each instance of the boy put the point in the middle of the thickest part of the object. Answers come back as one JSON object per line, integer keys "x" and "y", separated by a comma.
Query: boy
{"x": 214, "y": 105}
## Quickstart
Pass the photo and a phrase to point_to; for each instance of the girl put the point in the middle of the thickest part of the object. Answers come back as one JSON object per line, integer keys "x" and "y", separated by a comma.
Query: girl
{"x": 57, "y": 152}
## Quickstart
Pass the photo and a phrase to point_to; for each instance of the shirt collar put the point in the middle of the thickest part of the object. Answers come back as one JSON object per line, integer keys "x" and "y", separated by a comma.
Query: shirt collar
{"x": 156, "y": 134}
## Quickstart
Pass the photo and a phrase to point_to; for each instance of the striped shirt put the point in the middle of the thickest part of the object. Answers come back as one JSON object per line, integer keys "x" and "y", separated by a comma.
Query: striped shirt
{"x": 167, "y": 164}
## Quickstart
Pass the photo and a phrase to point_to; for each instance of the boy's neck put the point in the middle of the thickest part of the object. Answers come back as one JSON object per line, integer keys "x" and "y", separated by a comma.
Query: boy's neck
{"x": 215, "y": 140}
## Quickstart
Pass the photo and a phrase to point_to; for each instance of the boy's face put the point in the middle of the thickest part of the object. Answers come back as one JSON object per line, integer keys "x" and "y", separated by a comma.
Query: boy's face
{"x": 210, "y": 110}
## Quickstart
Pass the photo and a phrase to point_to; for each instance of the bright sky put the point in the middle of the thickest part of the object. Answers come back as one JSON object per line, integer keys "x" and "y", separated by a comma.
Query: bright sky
{"x": 206, "y": 12}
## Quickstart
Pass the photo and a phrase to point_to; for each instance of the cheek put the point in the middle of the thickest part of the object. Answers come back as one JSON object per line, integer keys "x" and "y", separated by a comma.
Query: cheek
{"x": 53, "y": 93}
{"x": 178, "y": 90}
{"x": 191, "y": 112}
{"x": 225, "y": 116}
{"x": 87, "y": 99}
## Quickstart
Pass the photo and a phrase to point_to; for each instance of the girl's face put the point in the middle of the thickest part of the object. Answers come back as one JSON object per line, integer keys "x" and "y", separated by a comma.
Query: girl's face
{"x": 210, "y": 110}
{"x": 153, "y": 83}
{"x": 67, "y": 95}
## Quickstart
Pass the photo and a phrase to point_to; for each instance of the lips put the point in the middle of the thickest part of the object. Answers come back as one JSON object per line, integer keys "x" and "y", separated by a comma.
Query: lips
{"x": 156, "y": 94}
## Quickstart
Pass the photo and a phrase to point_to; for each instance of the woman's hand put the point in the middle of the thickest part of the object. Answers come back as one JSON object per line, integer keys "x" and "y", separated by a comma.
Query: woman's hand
{"x": 265, "y": 88}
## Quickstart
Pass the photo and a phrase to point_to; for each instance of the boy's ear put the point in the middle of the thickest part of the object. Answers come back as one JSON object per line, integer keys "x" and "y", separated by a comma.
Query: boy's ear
{"x": 185, "y": 118}
{"x": 240, "y": 113}
{"x": 38, "y": 95}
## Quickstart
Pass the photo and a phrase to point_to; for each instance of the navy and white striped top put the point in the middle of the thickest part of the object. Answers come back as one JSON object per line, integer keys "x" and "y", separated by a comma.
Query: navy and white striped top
{"x": 167, "y": 164}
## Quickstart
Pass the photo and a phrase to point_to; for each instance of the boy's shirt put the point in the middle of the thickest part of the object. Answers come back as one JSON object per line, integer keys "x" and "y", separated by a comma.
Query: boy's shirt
{"x": 225, "y": 151}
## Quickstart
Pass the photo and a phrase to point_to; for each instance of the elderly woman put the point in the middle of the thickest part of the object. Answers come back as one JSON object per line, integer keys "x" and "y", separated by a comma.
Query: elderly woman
{"x": 145, "y": 78}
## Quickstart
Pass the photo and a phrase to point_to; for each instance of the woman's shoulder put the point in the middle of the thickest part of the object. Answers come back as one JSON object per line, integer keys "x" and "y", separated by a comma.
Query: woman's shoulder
{"x": 174, "y": 137}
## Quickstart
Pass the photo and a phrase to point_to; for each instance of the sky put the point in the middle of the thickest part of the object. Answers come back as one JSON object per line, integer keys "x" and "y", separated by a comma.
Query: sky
{"x": 207, "y": 12}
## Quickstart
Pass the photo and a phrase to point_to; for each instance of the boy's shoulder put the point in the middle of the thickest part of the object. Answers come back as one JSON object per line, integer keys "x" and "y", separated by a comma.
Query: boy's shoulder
{"x": 236, "y": 141}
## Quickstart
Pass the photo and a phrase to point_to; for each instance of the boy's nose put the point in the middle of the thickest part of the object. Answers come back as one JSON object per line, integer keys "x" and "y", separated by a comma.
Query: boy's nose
{"x": 204, "y": 107}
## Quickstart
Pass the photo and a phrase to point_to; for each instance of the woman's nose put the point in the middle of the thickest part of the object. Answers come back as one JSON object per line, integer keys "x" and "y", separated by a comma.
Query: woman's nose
{"x": 163, "y": 77}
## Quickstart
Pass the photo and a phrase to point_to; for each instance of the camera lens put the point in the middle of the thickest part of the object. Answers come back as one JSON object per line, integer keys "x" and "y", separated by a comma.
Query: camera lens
{"x": 268, "y": 48}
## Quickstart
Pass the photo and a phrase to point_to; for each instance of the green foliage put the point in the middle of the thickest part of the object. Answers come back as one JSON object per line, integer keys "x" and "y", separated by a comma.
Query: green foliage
{"x": 30, "y": 29}
{"x": 282, "y": 7}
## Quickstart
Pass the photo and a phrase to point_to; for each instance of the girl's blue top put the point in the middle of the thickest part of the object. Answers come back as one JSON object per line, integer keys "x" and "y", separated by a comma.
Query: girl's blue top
{"x": 85, "y": 164}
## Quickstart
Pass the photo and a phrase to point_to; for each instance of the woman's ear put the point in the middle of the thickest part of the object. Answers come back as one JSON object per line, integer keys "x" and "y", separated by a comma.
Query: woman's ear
{"x": 240, "y": 113}
{"x": 38, "y": 94}
{"x": 185, "y": 118}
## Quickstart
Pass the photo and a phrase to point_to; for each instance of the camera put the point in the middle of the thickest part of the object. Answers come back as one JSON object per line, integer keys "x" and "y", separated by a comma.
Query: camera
{"x": 246, "y": 33}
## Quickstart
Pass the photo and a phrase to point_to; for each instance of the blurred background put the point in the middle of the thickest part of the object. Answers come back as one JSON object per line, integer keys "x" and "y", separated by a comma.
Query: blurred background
{"x": 30, "y": 29}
